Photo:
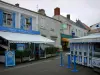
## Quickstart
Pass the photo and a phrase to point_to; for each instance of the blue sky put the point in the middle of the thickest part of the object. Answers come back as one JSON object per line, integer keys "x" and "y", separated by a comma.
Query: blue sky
{"x": 88, "y": 11}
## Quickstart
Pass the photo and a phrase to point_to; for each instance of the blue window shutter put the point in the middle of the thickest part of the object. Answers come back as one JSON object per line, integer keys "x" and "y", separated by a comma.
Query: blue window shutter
{"x": 30, "y": 23}
{"x": 21, "y": 26}
{"x": 13, "y": 19}
{"x": 22, "y": 21}
{"x": 1, "y": 17}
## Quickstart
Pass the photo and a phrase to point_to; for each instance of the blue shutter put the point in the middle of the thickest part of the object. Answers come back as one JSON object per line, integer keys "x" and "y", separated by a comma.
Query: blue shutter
{"x": 1, "y": 17}
{"x": 22, "y": 21}
{"x": 31, "y": 23}
{"x": 13, "y": 20}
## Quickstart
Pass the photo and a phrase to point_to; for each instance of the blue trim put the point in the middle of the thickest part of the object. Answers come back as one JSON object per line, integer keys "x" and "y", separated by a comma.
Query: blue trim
{"x": 16, "y": 30}
{"x": 13, "y": 20}
{"x": 31, "y": 23}
{"x": 1, "y": 17}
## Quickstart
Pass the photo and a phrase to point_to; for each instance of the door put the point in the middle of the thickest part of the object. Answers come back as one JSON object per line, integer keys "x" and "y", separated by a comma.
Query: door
{"x": 32, "y": 54}
{"x": 36, "y": 51}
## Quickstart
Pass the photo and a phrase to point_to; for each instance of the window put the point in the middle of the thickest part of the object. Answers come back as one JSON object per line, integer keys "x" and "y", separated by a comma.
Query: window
{"x": 97, "y": 25}
{"x": 76, "y": 32}
{"x": 52, "y": 29}
{"x": 27, "y": 23}
{"x": 84, "y": 34}
{"x": 54, "y": 38}
{"x": 43, "y": 35}
{"x": 7, "y": 19}
{"x": 79, "y": 32}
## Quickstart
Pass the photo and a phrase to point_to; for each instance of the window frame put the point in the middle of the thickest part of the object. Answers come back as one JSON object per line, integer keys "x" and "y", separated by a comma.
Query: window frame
{"x": 26, "y": 25}
{"x": 7, "y": 19}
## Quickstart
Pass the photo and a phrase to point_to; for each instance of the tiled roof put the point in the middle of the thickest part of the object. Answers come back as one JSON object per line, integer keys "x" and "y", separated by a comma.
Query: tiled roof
{"x": 28, "y": 10}
{"x": 72, "y": 22}
{"x": 88, "y": 28}
{"x": 78, "y": 23}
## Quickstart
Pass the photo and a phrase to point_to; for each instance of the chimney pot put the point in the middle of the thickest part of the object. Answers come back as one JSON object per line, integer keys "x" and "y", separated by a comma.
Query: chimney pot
{"x": 42, "y": 11}
{"x": 68, "y": 16}
{"x": 57, "y": 11}
{"x": 17, "y": 5}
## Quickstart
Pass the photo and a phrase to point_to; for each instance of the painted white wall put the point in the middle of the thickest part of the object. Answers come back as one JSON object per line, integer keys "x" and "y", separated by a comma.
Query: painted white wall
{"x": 94, "y": 26}
{"x": 45, "y": 26}
{"x": 80, "y": 32}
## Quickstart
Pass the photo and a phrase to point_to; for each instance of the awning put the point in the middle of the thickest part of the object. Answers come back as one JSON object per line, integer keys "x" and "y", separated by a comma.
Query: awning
{"x": 65, "y": 39}
{"x": 90, "y": 38}
{"x": 24, "y": 38}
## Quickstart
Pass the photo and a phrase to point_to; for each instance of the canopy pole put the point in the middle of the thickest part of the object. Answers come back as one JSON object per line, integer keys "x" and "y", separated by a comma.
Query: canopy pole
{"x": 29, "y": 50}
{"x": 34, "y": 51}
{"x": 39, "y": 51}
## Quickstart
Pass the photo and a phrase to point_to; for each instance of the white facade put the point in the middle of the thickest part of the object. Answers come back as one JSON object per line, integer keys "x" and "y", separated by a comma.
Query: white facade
{"x": 46, "y": 25}
{"x": 95, "y": 26}
{"x": 18, "y": 12}
{"x": 79, "y": 32}
{"x": 50, "y": 28}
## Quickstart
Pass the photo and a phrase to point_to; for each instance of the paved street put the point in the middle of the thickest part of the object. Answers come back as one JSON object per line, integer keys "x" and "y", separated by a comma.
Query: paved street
{"x": 46, "y": 67}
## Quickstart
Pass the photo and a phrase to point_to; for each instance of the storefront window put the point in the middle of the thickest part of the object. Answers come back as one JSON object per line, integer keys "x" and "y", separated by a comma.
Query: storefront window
{"x": 97, "y": 50}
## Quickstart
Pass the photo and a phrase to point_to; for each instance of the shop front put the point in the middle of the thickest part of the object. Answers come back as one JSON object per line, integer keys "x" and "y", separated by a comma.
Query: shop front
{"x": 25, "y": 44}
{"x": 87, "y": 50}
{"x": 65, "y": 41}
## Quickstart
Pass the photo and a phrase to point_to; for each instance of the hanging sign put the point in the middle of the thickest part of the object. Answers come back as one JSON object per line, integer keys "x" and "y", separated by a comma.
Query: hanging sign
{"x": 20, "y": 47}
{"x": 9, "y": 58}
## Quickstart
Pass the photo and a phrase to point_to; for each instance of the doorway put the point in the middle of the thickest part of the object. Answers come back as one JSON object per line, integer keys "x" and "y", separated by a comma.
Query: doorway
{"x": 32, "y": 54}
{"x": 37, "y": 51}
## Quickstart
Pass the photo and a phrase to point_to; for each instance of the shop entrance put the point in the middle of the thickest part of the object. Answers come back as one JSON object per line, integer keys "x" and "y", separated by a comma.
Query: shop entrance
{"x": 32, "y": 54}
{"x": 65, "y": 43}
{"x": 36, "y": 51}
{"x": 3, "y": 48}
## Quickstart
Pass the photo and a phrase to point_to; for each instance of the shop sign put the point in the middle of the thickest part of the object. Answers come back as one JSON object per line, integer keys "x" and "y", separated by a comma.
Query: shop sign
{"x": 20, "y": 47}
{"x": 9, "y": 58}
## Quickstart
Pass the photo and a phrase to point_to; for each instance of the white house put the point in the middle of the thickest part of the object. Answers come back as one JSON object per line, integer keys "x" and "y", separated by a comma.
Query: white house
{"x": 15, "y": 11}
{"x": 95, "y": 26}
{"x": 19, "y": 26}
{"x": 50, "y": 27}
{"x": 71, "y": 26}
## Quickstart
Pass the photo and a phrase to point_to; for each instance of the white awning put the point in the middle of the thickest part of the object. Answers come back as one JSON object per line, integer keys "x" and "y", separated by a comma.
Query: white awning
{"x": 90, "y": 38}
{"x": 24, "y": 38}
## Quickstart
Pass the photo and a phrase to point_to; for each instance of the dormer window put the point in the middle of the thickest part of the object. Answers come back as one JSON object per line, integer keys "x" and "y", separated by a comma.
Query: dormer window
{"x": 97, "y": 25}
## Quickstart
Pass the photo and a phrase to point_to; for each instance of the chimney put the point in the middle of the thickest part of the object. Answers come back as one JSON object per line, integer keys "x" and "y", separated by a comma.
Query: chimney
{"x": 42, "y": 11}
{"x": 17, "y": 5}
{"x": 68, "y": 16}
{"x": 57, "y": 11}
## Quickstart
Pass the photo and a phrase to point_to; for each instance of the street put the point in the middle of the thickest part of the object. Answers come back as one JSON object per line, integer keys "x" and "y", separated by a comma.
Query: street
{"x": 46, "y": 67}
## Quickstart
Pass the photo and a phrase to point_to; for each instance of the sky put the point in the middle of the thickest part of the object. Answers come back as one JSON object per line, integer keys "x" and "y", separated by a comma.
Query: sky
{"x": 88, "y": 11}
